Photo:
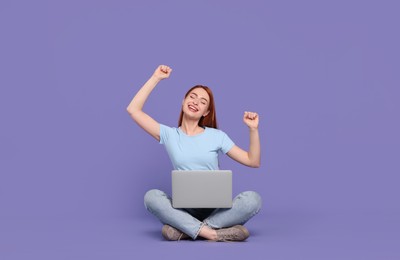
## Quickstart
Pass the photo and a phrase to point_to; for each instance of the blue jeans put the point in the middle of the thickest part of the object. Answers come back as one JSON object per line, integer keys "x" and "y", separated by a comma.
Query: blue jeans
{"x": 190, "y": 221}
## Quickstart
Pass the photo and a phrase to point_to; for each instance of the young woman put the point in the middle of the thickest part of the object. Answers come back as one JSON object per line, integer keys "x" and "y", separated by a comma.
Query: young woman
{"x": 194, "y": 145}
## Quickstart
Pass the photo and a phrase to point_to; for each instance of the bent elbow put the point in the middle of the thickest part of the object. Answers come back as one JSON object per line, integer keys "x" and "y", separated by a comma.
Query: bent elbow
{"x": 253, "y": 163}
{"x": 256, "y": 164}
{"x": 131, "y": 111}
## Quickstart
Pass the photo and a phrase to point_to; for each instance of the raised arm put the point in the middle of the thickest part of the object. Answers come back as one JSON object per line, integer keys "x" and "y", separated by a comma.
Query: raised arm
{"x": 252, "y": 157}
{"x": 135, "y": 108}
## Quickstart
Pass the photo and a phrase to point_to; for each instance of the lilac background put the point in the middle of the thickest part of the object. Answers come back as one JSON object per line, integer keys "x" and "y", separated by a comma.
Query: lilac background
{"x": 323, "y": 76}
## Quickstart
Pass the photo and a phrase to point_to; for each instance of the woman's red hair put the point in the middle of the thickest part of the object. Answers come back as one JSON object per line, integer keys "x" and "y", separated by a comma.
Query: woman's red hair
{"x": 210, "y": 120}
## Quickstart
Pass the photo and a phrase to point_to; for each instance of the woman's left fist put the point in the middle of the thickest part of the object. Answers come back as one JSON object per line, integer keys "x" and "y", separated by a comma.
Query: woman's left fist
{"x": 251, "y": 119}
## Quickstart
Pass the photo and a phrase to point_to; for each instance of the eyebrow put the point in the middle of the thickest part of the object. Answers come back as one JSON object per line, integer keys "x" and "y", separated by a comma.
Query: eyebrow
{"x": 198, "y": 95}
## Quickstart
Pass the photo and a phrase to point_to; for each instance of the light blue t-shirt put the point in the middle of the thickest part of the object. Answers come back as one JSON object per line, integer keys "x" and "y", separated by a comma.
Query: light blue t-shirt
{"x": 198, "y": 152}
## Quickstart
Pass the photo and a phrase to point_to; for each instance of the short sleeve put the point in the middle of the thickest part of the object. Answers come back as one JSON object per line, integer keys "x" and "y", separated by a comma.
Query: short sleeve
{"x": 164, "y": 133}
{"x": 227, "y": 143}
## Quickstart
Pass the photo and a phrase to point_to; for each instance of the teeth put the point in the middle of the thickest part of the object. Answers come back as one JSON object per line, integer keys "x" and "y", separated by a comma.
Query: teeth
{"x": 193, "y": 108}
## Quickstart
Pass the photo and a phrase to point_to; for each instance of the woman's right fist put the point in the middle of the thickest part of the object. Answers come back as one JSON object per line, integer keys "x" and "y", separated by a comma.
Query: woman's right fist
{"x": 162, "y": 72}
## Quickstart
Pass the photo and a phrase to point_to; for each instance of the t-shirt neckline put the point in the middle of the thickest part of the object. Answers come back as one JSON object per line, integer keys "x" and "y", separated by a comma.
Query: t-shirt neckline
{"x": 199, "y": 134}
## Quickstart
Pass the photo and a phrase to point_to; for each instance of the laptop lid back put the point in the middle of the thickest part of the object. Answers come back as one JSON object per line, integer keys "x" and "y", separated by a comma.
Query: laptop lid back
{"x": 202, "y": 189}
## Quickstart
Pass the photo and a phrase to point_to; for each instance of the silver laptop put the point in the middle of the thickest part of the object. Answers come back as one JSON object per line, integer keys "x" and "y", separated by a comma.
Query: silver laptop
{"x": 202, "y": 189}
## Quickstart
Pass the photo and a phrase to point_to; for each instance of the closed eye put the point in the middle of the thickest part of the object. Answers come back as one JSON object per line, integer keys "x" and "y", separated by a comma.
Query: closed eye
{"x": 194, "y": 96}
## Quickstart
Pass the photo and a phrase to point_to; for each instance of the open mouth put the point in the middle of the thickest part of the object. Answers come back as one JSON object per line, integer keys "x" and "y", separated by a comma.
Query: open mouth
{"x": 192, "y": 108}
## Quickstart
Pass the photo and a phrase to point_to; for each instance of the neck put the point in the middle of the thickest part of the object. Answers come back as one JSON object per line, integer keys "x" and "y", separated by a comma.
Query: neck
{"x": 191, "y": 127}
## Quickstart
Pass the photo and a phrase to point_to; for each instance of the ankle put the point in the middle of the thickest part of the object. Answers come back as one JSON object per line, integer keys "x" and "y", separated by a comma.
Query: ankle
{"x": 213, "y": 235}
{"x": 208, "y": 233}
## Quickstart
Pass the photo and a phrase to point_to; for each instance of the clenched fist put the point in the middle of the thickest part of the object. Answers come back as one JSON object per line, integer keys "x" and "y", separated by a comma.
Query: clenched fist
{"x": 162, "y": 72}
{"x": 251, "y": 119}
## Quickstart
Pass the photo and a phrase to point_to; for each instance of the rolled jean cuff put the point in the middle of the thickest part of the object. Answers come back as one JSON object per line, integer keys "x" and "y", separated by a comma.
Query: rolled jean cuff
{"x": 198, "y": 231}
{"x": 205, "y": 222}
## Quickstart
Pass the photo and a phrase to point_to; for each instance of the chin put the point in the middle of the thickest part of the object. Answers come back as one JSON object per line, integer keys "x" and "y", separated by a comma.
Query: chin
{"x": 191, "y": 116}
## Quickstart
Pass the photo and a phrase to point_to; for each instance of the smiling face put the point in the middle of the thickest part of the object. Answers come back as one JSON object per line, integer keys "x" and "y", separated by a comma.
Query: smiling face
{"x": 196, "y": 103}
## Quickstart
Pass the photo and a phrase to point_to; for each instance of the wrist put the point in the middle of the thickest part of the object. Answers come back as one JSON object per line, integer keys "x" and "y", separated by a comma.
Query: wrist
{"x": 252, "y": 129}
{"x": 155, "y": 78}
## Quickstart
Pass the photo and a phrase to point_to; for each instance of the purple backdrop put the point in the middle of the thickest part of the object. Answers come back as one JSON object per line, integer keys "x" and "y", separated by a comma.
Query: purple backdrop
{"x": 323, "y": 75}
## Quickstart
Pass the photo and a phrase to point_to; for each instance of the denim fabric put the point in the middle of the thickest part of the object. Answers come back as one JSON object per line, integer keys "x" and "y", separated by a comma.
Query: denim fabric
{"x": 190, "y": 221}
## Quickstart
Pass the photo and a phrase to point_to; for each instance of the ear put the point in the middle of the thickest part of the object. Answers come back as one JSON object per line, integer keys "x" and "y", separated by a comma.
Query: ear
{"x": 206, "y": 113}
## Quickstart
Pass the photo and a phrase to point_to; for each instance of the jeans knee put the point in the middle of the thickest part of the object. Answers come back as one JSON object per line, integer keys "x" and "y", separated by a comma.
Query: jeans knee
{"x": 152, "y": 197}
{"x": 252, "y": 200}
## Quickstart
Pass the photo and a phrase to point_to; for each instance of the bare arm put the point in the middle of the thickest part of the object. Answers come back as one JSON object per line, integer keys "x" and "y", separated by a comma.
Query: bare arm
{"x": 252, "y": 157}
{"x": 135, "y": 108}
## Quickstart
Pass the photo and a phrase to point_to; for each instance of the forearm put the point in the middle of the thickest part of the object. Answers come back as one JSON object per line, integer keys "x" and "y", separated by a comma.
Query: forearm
{"x": 254, "y": 148}
{"x": 141, "y": 96}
